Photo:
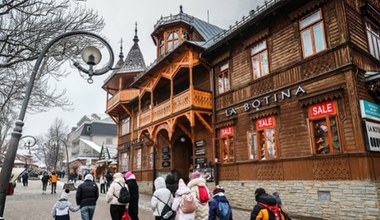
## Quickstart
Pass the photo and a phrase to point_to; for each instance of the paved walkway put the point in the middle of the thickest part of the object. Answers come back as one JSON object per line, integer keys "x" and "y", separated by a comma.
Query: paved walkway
{"x": 28, "y": 203}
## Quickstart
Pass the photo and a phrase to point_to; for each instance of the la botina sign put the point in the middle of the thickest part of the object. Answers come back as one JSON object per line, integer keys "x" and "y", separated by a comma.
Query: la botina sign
{"x": 266, "y": 100}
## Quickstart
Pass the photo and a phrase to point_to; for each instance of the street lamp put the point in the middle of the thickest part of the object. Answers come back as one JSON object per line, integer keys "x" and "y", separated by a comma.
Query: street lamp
{"x": 91, "y": 59}
{"x": 56, "y": 142}
{"x": 30, "y": 141}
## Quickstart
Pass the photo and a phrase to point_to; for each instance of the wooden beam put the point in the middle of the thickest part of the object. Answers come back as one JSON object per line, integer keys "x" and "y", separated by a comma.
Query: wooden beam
{"x": 126, "y": 109}
{"x": 204, "y": 122}
{"x": 188, "y": 133}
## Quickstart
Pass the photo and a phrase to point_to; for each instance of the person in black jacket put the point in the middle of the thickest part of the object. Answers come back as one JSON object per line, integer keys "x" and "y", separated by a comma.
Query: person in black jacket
{"x": 133, "y": 207}
{"x": 261, "y": 211}
{"x": 171, "y": 182}
{"x": 86, "y": 197}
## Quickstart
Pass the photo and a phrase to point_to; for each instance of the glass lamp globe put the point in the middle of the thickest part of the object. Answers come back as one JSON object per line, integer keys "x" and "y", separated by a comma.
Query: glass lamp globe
{"x": 91, "y": 55}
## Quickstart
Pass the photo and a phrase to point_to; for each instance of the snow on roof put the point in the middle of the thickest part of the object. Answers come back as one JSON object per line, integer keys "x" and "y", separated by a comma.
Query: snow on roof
{"x": 92, "y": 145}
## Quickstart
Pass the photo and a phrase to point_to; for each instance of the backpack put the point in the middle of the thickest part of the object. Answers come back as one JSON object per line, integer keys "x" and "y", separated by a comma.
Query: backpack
{"x": 224, "y": 210}
{"x": 274, "y": 210}
{"x": 167, "y": 211}
{"x": 124, "y": 195}
{"x": 187, "y": 203}
{"x": 203, "y": 194}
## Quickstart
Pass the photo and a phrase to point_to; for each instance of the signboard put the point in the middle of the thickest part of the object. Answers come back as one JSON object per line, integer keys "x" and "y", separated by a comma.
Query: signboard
{"x": 166, "y": 156}
{"x": 200, "y": 160}
{"x": 372, "y": 136}
{"x": 322, "y": 109}
{"x": 200, "y": 152}
{"x": 201, "y": 143}
{"x": 165, "y": 163}
{"x": 264, "y": 123}
{"x": 226, "y": 132}
{"x": 370, "y": 110}
{"x": 165, "y": 150}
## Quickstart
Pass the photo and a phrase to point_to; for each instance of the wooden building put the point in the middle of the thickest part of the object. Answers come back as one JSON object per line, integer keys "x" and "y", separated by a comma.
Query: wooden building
{"x": 286, "y": 99}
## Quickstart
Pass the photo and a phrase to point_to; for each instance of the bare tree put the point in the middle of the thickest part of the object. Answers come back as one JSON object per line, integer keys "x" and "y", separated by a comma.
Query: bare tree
{"x": 26, "y": 26}
{"x": 55, "y": 152}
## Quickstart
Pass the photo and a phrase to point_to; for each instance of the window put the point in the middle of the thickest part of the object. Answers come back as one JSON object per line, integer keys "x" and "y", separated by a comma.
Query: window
{"x": 223, "y": 78}
{"x": 137, "y": 159}
{"x": 373, "y": 35}
{"x": 162, "y": 46}
{"x": 109, "y": 141}
{"x": 172, "y": 40}
{"x": 124, "y": 161}
{"x": 226, "y": 144}
{"x": 126, "y": 126}
{"x": 259, "y": 58}
{"x": 312, "y": 34}
{"x": 252, "y": 145}
{"x": 266, "y": 138}
{"x": 324, "y": 125}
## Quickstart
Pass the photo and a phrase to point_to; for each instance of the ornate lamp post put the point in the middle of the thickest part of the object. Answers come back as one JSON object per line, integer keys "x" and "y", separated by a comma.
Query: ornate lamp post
{"x": 30, "y": 141}
{"x": 56, "y": 142}
{"x": 91, "y": 57}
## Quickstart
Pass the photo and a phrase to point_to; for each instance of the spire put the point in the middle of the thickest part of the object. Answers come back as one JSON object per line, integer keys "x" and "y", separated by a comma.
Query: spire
{"x": 136, "y": 38}
{"x": 180, "y": 9}
{"x": 121, "y": 55}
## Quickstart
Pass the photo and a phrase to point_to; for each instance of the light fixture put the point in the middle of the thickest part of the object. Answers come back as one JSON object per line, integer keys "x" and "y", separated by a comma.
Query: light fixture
{"x": 91, "y": 55}
{"x": 182, "y": 139}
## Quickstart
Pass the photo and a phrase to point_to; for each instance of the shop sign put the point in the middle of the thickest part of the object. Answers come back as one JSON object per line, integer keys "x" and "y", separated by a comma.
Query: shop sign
{"x": 370, "y": 110}
{"x": 200, "y": 160}
{"x": 201, "y": 143}
{"x": 266, "y": 100}
{"x": 322, "y": 109}
{"x": 373, "y": 136}
{"x": 166, "y": 156}
{"x": 165, "y": 150}
{"x": 165, "y": 163}
{"x": 263, "y": 123}
{"x": 200, "y": 152}
{"x": 226, "y": 132}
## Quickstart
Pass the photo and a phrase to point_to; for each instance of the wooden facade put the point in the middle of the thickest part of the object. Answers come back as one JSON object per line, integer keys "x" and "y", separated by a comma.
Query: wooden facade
{"x": 276, "y": 100}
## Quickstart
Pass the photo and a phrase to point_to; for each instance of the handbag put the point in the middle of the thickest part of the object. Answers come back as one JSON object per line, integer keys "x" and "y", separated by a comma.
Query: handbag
{"x": 126, "y": 215}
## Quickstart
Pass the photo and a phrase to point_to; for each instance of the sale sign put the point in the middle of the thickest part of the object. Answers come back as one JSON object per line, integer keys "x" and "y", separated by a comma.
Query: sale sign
{"x": 263, "y": 123}
{"x": 226, "y": 132}
{"x": 322, "y": 109}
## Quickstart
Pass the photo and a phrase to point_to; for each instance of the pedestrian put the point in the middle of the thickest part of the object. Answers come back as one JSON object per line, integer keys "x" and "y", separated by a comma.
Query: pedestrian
{"x": 53, "y": 181}
{"x": 184, "y": 210}
{"x": 102, "y": 182}
{"x": 109, "y": 179}
{"x": 86, "y": 197}
{"x": 25, "y": 177}
{"x": 266, "y": 207}
{"x": 44, "y": 180}
{"x": 133, "y": 206}
{"x": 198, "y": 187}
{"x": 219, "y": 206}
{"x": 117, "y": 209}
{"x": 161, "y": 197}
{"x": 61, "y": 208}
{"x": 171, "y": 182}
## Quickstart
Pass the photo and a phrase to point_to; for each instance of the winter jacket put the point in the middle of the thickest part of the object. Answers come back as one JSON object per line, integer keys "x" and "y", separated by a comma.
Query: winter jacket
{"x": 133, "y": 207}
{"x": 177, "y": 203}
{"x": 171, "y": 183}
{"x": 87, "y": 193}
{"x": 202, "y": 208}
{"x": 114, "y": 190}
{"x": 259, "y": 212}
{"x": 61, "y": 208}
{"x": 219, "y": 197}
{"x": 163, "y": 194}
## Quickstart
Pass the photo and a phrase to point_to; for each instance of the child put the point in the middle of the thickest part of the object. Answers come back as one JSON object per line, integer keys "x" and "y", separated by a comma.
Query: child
{"x": 184, "y": 203}
{"x": 61, "y": 208}
{"x": 219, "y": 206}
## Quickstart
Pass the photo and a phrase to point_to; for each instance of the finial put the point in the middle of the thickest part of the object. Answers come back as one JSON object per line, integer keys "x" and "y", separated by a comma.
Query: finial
{"x": 121, "y": 49}
{"x": 180, "y": 9}
{"x": 136, "y": 38}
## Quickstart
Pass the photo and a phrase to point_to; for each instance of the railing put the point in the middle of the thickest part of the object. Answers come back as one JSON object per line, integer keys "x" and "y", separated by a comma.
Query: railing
{"x": 182, "y": 101}
{"x": 122, "y": 96}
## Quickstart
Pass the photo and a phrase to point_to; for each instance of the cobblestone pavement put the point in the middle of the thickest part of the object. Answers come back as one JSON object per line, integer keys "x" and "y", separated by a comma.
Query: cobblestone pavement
{"x": 28, "y": 203}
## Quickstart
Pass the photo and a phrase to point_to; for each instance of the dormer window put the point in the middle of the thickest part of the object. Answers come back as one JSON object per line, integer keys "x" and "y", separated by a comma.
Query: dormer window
{"x": 172, "y": 40}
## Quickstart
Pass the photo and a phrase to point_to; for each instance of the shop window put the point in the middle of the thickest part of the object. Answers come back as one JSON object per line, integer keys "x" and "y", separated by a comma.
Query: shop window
{"x": 312, "y": 34}
{"x": 373, "y": 35}
{"x": 259, "y": 58}
{"x": 223, "y": 78}
{"x": 126, "y": 126}
{"x": 266, "y": 138}
{"x": 226, "y": 144}
{"x": 172, "y": 40}
{"x": 137, "y": 159}
{"x": 325, "y": 130}
{"x": 252, "y": 145}
{"x": 124, "y": 161}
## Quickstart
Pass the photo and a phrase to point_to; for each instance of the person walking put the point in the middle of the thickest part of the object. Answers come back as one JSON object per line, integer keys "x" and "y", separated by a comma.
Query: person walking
{"x": 219, "y": 206}
{"x": 133, "y": 206}
{"x": 198, "y": 187}
{"x": 44, "y": 180}
{"x": 102, "y": 182}
{"x": 109, "y": 179}
{"x": 161, "y": 196}
{"x": 117, "y": 209}
{"x": 86, "y": 197}
{"x": 53, "y": 180}
{"x": 184, "y": 203}
{"x": 61, "y": 208}
{"x": 266, "y": 207}
{"x": 25, "y": 177}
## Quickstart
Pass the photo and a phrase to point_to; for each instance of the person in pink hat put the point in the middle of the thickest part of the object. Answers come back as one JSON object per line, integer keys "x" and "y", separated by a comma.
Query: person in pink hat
{"x": 198, "y": 187}
{"x": 133, "y": 206}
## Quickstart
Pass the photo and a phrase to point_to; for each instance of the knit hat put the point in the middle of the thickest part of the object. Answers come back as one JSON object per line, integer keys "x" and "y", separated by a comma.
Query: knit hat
{"x": 181, "y": 184}
{"x": 127, "y": 174}
{"x": 259, "y": 192}
{"x": 89, "y": 177}
{"x": 195, "y": 175}
{"x": 218, "y": 189}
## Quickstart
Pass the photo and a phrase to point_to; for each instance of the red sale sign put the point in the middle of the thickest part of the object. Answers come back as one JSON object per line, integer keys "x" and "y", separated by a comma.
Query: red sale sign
{"x": 321, "y": 109}
{"x": 263, "y": 123}
{"x": 227, "y": 131}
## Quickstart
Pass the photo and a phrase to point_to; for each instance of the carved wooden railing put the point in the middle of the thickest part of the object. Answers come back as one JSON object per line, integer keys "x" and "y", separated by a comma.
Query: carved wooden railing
{"x": 197, "y": 98}
{"x": 122, "y": 96}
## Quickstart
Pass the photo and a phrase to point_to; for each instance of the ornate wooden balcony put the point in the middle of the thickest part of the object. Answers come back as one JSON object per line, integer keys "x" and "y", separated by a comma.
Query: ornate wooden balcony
{"x": 121, "y": 97}
{"x": 184, "y": 100}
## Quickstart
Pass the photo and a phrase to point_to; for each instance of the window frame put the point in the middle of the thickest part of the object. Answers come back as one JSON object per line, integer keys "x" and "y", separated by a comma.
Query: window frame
{"x": 372, "y": 34}
{"x": 258, "y": 54}
{"x": 128, "y": 130}
{"x": 313, "y": 38}
{"x": 172, "y": 40}
{"x": 225, "y": 79}
{"x": 226, "y": 139}
{"x": 263, "y": 148}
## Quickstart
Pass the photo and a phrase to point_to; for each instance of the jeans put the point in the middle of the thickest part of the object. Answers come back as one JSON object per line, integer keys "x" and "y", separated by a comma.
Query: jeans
{"x": 87, "y": 212}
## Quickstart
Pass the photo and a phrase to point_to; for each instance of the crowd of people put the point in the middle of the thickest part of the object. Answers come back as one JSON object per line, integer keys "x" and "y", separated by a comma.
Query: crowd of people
{"x": 172, "y": 199}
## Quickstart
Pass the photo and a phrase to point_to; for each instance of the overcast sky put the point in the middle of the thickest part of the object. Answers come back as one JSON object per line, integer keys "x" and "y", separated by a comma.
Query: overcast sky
{"x": 120, "y": 17}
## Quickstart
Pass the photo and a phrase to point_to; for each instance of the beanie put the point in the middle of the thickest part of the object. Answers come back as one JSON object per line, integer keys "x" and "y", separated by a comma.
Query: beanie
{"x": 259, "y": 192}
{"x": 195, "y": 175}
{"x": 218, "y": 189}
{"x": 127, "y": 174}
